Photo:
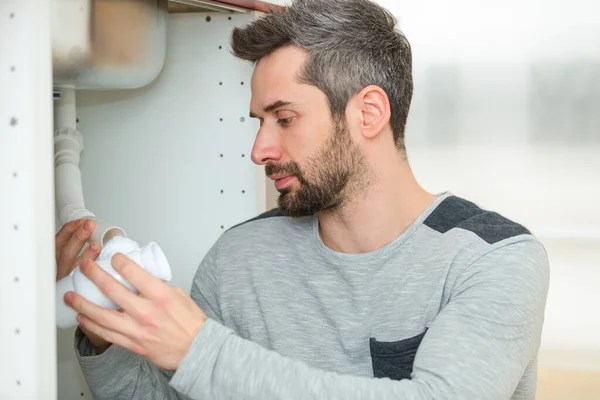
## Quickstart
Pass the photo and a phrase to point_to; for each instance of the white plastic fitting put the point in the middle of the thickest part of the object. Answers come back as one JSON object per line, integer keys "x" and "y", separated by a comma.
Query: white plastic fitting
{"x": 149, "y": 257}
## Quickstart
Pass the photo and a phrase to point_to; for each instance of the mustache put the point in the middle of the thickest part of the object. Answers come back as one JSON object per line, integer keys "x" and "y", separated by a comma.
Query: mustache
{"x": 285, "y": 168}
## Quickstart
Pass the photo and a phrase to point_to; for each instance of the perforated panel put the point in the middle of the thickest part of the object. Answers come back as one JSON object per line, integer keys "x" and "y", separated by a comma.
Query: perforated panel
{"x": 171, "y": 162}
{"x": 27, "y": 334}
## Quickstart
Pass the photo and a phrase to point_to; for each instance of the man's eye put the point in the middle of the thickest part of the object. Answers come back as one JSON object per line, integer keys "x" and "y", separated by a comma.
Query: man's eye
{"x": 285, "y": 121}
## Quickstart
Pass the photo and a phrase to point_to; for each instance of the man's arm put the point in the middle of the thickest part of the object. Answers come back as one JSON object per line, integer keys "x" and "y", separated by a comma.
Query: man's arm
{"x": 477, "y": 348}
{"x": 120, "y": 373}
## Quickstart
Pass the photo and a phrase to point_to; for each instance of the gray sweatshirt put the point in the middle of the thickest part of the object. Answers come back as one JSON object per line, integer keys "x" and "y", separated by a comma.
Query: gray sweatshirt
{"x": 451, "y": 309}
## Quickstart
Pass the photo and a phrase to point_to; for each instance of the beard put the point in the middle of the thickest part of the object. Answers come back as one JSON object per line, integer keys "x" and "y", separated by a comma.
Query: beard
{"x": 331, "y": 179}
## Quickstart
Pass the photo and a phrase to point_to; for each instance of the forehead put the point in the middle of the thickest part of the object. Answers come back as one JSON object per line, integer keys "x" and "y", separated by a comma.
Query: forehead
{"x": 275, "y": 75}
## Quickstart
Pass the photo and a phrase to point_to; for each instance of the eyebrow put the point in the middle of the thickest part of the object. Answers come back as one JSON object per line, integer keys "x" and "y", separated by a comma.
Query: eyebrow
{"x": 272, "y": 107}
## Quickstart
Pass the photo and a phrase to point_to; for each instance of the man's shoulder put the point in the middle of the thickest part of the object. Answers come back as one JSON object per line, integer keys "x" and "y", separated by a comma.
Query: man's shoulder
{"x": 457, "y": 214}
{"x": 471, "y": 235}
{"x": 482, "y": 247}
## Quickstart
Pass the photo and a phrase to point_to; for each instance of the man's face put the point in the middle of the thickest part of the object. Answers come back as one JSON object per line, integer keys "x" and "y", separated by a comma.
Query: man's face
{"x": 311, "y": 159}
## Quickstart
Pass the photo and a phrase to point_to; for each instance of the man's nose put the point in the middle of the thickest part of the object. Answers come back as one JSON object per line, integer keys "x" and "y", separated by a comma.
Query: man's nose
{"x": 266, "y": 147}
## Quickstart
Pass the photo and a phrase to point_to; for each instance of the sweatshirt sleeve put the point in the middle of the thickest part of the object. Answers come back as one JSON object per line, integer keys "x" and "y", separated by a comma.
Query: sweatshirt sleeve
{"x": 121, "y": 374}
{"x": 477, "y": 348}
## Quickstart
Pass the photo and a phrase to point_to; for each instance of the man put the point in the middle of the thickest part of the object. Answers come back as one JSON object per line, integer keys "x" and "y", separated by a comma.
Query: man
{"x": 362, "y": 285}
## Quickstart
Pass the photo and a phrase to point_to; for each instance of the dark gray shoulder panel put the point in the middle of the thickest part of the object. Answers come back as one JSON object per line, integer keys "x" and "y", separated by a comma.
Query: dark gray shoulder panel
{"x": 455, "y": 212}
{"x": 275, "y": 212}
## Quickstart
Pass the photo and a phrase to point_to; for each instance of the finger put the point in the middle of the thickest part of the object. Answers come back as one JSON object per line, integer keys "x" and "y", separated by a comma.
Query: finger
{"x": 64, "y": 235}
{"x": 91, "y": 252}
{"x": 109, "y": 335}
{"x": 113, "y": 289}
{"x": 71, "y": 250}
{"x": 148, "y": 286}
{"x": 110, "y": 319}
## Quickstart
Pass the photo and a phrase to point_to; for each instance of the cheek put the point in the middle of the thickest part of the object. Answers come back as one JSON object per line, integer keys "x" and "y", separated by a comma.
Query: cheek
{"x": 304, "y": 140}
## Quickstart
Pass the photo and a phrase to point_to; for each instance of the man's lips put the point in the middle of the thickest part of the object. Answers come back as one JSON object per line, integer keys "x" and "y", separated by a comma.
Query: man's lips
{"x": 282, "y": 180}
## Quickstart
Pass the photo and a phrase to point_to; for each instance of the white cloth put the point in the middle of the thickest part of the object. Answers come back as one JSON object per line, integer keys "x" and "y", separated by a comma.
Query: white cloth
{"x": 149, "y": 257}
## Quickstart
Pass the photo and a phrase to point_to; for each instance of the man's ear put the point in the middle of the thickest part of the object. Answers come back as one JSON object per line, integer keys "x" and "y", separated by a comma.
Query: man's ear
{"x": 375, "y": 110}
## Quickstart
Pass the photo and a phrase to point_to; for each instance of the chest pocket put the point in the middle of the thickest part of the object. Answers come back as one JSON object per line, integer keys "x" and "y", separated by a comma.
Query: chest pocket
{"x": 394, "y": 360}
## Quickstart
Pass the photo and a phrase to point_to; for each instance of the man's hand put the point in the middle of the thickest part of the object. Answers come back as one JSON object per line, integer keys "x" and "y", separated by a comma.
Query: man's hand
{"x": 159, "y": 324}
{"x": 69, "y": 241}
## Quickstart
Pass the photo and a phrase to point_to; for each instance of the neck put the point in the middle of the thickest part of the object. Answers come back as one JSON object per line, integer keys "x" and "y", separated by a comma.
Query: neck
{"x": 379, "y": 214}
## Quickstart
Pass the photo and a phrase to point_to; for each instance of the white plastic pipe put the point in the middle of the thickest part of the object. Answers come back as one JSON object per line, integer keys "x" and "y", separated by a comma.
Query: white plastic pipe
{"x": 150, "y": 257}
{"x": 68, "y": 144}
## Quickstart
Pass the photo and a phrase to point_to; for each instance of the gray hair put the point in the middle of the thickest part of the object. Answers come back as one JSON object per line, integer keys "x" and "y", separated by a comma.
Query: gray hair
{"x": 351, "y": 44}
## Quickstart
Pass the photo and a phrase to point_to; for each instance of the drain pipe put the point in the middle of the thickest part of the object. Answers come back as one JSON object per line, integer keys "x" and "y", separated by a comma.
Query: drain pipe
{"x": 68, "y": 144}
